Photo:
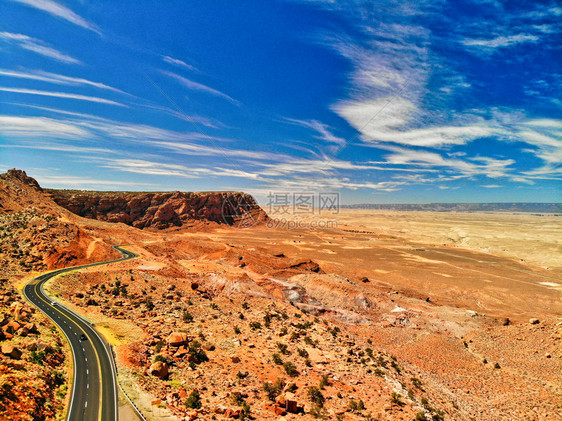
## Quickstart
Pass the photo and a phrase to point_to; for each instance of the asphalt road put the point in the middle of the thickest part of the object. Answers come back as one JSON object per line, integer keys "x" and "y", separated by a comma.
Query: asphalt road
{"x": 94, "y": 390}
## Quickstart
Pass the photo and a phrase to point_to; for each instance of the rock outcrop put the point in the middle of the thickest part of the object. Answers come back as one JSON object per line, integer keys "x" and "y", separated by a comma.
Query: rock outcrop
{"x": 163, "y": 210}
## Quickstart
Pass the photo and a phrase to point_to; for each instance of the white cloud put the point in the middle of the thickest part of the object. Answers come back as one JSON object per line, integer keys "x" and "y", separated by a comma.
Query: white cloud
{"x": 60, "y": 148}
{"x": 323, "y": 130}
{"x": 178, "y": 62}
{"x": 199, "y": 87}
{"x": 64, "y": 181}
{"x": 142, "y": 166}
{"x": 60, "y": 11}
{"x": 456, "y": 168}
{"x": 33, "y": 127}
{"x": 379, "y": 120}
{"x": 37, "y": 46}
{"x": 56, "y": 79}
{"x": 500, "y": 41}
{"x": 62, "y": 95}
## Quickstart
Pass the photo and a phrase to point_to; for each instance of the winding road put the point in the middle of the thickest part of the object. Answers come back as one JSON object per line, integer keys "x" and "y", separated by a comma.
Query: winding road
{"x": 94, "y": 389}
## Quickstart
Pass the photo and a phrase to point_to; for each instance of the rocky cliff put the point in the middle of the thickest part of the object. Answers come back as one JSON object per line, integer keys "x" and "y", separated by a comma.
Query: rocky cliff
{"x": 163, "y": 210}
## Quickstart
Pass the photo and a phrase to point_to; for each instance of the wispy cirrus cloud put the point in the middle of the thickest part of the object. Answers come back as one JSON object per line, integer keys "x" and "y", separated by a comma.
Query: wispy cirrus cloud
{"x": 178, "y": 62}
{"x": 324, "y": 131}
{"x": 34, "y": 127}
{"x": 199, "y": 87}
{"x": 500, "y": 41}
{"x": 57, "y": 79}
{"x": 37, "y": 46}
{"x": 62, "y": 95}
{"x": 58, "y": 10}
{"x": 64, "y": 181}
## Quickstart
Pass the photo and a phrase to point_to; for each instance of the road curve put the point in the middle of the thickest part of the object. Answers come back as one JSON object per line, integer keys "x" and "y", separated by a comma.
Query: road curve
{"x": 94, "y": 389}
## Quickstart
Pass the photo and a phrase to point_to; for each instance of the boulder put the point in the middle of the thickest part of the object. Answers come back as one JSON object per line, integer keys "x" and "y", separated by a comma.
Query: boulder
{"x": 534, "y": 321}
{"x": 291, "y": 403}
{"x": 11, "y": 351}
{"x": 159, "y": 369}
{"x": 233, "y": 413}
{"x": 177, "y": 339}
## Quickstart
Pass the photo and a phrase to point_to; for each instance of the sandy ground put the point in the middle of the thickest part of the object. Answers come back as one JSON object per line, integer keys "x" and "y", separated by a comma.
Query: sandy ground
{"x": 501, "y": 264}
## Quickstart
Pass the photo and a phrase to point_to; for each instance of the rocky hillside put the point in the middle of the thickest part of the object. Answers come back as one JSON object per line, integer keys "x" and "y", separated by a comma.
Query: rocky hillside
{"x": 36, "y": 233}
{"x": 163, "y": 210}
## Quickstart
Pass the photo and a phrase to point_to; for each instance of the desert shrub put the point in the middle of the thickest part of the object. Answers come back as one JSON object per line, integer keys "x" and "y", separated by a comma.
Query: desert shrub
{"x": 255, "y": 325}
{"x": 149, "y": 304}
{"x": 246, "y": 411}
{"x": 37, "y": 357}
{"x": 273, "y": 389}
{"x": 161, "y": 358}
{"x": 416, "y": 382}
{"x": 309, "y": 341}
{"x": 356, "y": 406}
{"x": 193, "y": 400}
{"x": 267, "y": 320}
{"x": 497, "y": 365}
{"x": 283, "y": 348}
{"x": 395, "y": 398}
{"x": 420, "y": 416}
{"x": 245, "y": 305}
{"x": 324, "y": 381}
{"x": 302, "y": 352}
{"x": 237, "y": 330}
{"x": 237, "y": 398}
{"x": 290, "y": 369}
{"x": 197, "y": 352}
{"x": 318, "y": 412}
{"x": 277, "y": 359}
{"x": 158, "y": 346}
{"x": 315, "y": 396}
{"x": 304, "y": 325}
{"x": 187, "y": 316}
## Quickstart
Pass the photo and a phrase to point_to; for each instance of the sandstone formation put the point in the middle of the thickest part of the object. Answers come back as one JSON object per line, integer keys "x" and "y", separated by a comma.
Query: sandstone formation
{"x": 163, "y": 210}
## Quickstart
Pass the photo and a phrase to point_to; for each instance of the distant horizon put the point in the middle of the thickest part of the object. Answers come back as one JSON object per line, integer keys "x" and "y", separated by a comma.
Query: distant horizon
{"x": 381, "y": 101}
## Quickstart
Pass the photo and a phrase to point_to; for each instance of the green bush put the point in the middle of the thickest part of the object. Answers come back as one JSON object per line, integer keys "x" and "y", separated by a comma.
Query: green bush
{"x": 193, "y": 400}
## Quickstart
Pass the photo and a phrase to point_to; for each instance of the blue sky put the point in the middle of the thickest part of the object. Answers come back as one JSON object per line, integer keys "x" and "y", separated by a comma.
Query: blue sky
{"x": 381, "y": 101}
